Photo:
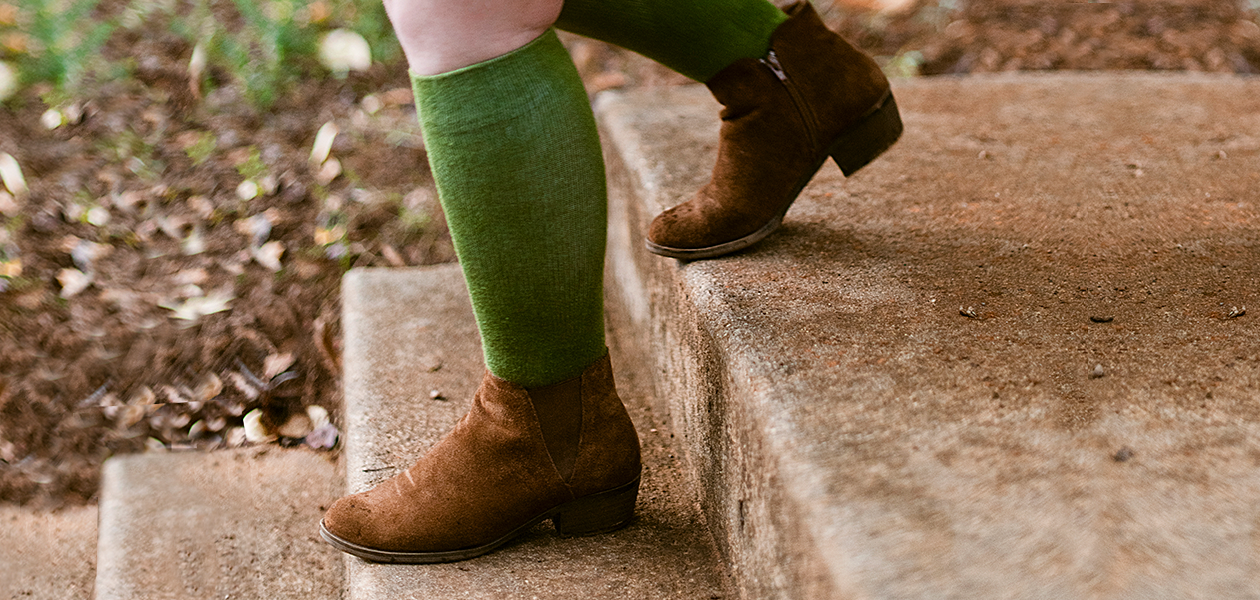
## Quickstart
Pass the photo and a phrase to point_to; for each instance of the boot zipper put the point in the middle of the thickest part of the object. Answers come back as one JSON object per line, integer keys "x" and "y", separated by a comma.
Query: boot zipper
{"x": 807, "y": 116}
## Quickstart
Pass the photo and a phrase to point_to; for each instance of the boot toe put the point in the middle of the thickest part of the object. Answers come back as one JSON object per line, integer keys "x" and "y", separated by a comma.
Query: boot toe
{"x": 351, "y": 519}
{"x": 690, "y": 226}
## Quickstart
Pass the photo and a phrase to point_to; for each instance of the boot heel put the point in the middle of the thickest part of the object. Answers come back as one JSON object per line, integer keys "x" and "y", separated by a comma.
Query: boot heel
{"x": 597, "y": 513}
{"x": 874, "y": 134}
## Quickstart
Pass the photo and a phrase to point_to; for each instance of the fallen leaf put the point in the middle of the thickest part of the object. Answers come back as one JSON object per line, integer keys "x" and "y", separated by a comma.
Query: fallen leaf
{"x": 328, "y": 172}
{"x": 257, "y": 228}
{"x": 195, "y": 243}
{"x": 235, "y": 437}
{"x": 322, "y": 438}
{"x": 98, "y": 216}
{"x": 343, "y": 50}
{"x": 52, "y": 119}
{"x": 276, "y": 364}
{"x": 11, "y": 175}
{"x": 255, "y": 431}
{"x": 247, "y": 190}
{"x": 323, "y": 143}
{"x": 297, "y": 426}
{"x": 9, "y": 206}
{"x": 268, "y": 255}
{"x": 319, "y": 416}
{"x": 11, "y": 268}
{"x": 73, "y": 281}
{"x": 194, "y": 308}
{"x": 8, "y": 81}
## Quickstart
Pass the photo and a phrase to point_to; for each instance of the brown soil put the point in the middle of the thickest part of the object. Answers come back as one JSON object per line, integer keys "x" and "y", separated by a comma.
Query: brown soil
{"x": 111, "y": 369}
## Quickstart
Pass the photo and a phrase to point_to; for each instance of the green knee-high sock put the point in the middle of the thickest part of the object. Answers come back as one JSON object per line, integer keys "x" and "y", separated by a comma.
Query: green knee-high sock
{"x": 697, "y": 38}
{"x": 516, "y": 157}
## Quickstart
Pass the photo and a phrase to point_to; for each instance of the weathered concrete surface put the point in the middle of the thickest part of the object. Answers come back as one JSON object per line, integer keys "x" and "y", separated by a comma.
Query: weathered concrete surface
{"x": 47, "y": 554}
{"x": 411, "y": 331}
{"x": 233, "y": 524}
{"x": 857, "y": 437}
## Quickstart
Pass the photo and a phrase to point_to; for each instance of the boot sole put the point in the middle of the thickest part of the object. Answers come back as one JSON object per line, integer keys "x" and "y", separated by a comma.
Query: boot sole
{"x": 870, "y": 137}
{"x": 598, "y": 513}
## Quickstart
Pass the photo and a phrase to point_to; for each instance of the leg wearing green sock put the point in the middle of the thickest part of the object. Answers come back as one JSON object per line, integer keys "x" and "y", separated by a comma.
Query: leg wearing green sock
{"x": 516, "y": 156}
{"x": 697, "y": 38}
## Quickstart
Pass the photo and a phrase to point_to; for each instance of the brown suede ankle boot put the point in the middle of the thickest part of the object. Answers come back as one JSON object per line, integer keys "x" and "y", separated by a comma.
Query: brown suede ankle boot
{"x": 812, "y": 96}
{"x": 501, "y": 471}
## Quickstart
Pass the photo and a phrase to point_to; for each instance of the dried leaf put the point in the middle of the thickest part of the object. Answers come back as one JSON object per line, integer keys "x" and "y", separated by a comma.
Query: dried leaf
{"x": 126, "y": 416}
{"x": 52, "y": 119}
{"x": 247, "y": 190}
{"x": 143, "y": 398}
{"x": 268, "y": 255}
{"x": 276, "y": 364}
{"x": 325, "y": 236}
{"x": 328, "y": 172}
{"x": 200, "y": 205}
{"x": 173, "y": 395}
{"x": 195, "y": 243}
{"x": 255, "y": 431}
{"x": 191, "y": 276}
{"x": 210, "y": 387}
{"x": 9, "y": 206}
{"x": 194, "y": 308}
{"x": 8, "y": 81}
{"x": 244, "y": 386}
{"x": 11, "y": 175}
{"x": 235, "y": 437}
{"x": 197, "y": 430}
{"x": 11, "y": 267}
{"x": 343, "y": 50}
{"x": 323, "y": 437}
{"x": 257, "y": 228}
{"x": 73, "y": 281}
{"x": 323, "y": 143}
{"x": 84, "y": 252}
{"x": 319, "y": 416}
{"x": 196, "y": 67}
{"x": 98, "y": 216}
{"x": 297, "y": 426}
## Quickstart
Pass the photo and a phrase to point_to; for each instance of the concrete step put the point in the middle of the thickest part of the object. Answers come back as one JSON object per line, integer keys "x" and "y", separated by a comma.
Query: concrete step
{"x": 999, "y": 362}
{"x": 47, "y": 554}
{"x": 231, "y": 524}
{"x": 409, "y": 332}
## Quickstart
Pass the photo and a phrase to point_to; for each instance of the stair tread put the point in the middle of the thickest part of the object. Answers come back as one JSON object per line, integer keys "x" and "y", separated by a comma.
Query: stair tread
{"x": 47, "y": 554}
{"x": 410, "y": 332}
{"x": 230, "y": 524}
{"x": 895, "y": 394}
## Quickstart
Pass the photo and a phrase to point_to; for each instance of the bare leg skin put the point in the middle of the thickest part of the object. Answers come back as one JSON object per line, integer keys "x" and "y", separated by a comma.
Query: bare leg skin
{"x": 439, "y": 36}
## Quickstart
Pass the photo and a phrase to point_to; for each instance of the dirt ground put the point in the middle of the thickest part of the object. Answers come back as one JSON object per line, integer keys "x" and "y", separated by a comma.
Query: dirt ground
{"x": 156, "y": 306}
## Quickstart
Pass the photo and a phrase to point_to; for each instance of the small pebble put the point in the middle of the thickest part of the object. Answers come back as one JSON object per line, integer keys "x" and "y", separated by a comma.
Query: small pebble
{"x": 1098, "y": 372}
{"x": 1123, "y": 454}
{"x": 970, "y": 311}
{"x": 436, "y": 395}
{"x": 1237, "y": 311}
{"x": 1101, "y": 319}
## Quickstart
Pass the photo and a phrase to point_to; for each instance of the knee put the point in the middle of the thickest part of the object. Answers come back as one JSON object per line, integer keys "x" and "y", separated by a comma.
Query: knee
{"x": 443, "y": 35}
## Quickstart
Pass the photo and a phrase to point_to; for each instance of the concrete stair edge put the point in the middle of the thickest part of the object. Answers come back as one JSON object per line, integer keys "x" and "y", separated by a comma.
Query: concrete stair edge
{"x": 746, "y": 487}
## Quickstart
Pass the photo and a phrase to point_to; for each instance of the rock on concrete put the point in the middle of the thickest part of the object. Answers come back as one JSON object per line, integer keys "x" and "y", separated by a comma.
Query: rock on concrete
{"x": 47, "y": 554}
{"x": 1009, "y": 359}
{"x": 410, "y": 336}
{"x": 232, "y": 524}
